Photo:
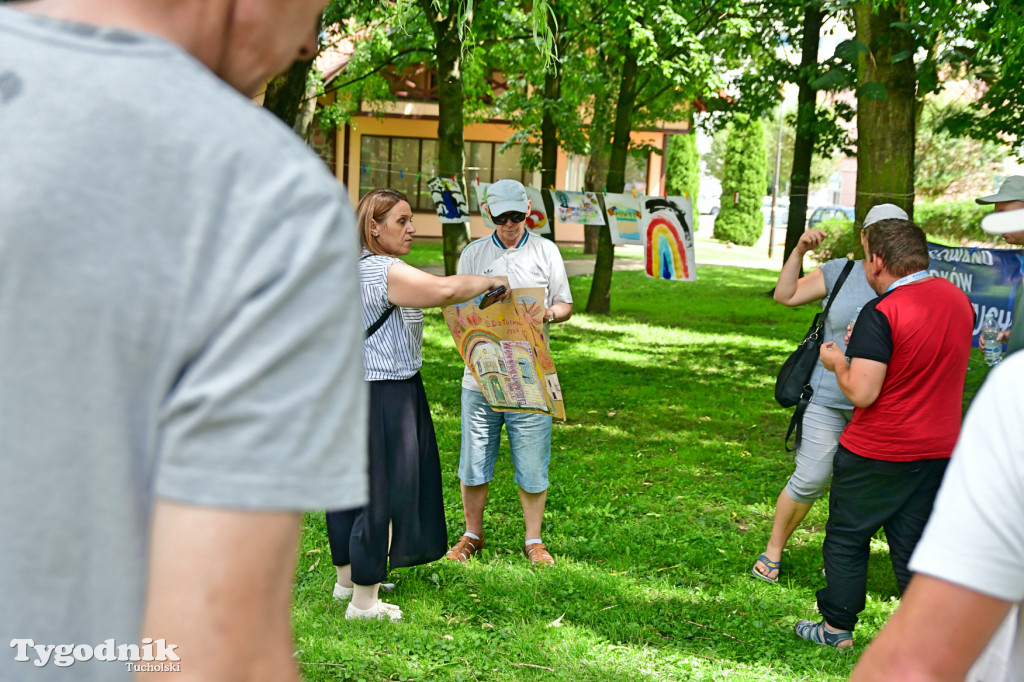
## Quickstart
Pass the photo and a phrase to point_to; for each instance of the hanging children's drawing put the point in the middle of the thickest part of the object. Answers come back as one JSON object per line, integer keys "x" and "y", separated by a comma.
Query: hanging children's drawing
{"x": 577, "y": 207}
{"x": 507, "y": 352}
{"x": 448, "y": 199}
{"x": 623, "y": 211}
{"x": 538, "y": 221}
{"x": 668, "y": 238}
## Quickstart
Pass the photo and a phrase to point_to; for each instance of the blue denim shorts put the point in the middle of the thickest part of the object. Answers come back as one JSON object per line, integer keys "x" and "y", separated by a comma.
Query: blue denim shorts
{"x": 529, "y": 438}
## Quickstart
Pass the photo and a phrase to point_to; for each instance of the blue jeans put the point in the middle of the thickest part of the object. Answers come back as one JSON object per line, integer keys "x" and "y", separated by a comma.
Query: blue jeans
{"x": 529, "y": 438}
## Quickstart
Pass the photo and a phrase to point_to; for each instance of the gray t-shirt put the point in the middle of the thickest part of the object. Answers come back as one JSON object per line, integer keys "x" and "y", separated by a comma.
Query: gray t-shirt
{"x": 853, "y": 295}
{"x": 179, "y": 318}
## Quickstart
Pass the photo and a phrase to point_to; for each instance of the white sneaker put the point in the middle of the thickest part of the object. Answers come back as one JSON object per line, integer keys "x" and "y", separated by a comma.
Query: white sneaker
{"x": 342, "y": 593}
{"x": 380, "y": 611}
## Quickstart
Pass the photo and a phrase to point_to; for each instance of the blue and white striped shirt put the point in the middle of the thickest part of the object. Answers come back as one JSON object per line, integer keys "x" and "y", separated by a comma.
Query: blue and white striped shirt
{"x": 395, "y": 351}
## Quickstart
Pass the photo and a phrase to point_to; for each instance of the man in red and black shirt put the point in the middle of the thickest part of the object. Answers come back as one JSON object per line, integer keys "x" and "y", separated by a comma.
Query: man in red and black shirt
{"x": 908, "y": 358}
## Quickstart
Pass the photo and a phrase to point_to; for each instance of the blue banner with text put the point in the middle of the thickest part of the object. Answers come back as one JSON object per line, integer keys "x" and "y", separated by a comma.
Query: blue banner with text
{"x": 989, "y": 277}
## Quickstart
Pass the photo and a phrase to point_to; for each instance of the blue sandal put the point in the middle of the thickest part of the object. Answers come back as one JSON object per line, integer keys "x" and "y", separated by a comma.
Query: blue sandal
{"x": 819, "y": 634}
{"x": 772, "y": 566}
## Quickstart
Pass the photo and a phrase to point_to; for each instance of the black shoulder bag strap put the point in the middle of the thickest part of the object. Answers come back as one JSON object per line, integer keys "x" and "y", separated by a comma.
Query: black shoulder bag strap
{"x": 383, "y": 317}
{"x": 796, "y": 424}
{"x": 380, "y": 321}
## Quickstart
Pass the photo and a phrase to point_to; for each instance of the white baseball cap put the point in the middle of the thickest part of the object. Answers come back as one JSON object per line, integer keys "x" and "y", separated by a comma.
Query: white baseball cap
{"x": 504, "y": 196}
{"x": 884, "y": 212}
{"x": 1004, "y": 222}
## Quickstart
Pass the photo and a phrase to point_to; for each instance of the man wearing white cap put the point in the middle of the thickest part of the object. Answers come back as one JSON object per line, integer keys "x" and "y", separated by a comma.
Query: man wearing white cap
{"x": 1010, "y": 197}
{"x": 528, "y": 261}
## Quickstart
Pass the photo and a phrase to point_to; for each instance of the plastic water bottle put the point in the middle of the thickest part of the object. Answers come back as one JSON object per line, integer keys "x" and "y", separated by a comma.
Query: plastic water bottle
{"x": 993, "y": 349}
{"x": 853, "y": 321}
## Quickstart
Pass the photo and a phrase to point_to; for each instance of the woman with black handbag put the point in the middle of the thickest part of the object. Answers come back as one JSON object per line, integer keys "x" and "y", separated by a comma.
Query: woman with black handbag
{"x": 828, "y": 411}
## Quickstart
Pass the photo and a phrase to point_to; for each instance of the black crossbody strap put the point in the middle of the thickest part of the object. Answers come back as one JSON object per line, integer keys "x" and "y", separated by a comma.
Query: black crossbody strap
{"x": 796, "y": 423}
{"x": 384, "y": 316}
{"x": 380, "y": 321}
{"x": 839, "y": 285}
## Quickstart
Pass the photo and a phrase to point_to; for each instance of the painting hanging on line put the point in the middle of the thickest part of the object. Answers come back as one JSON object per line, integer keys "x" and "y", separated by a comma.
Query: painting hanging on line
{"x": 667, "y": 226}
{"x": 580, "y": 208}
{"x": 449, "y": 201}
{"x": 623, "y": 212}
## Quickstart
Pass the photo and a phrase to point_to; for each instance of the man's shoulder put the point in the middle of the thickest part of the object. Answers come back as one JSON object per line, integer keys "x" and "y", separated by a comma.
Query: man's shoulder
{"x": 543, "y": 245}
{"x": 478, "y": 248}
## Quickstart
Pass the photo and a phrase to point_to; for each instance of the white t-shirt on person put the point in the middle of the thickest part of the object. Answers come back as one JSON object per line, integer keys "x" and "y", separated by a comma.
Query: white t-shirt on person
{"x": 975, "y": 537}
{"x": 533, "y": 262}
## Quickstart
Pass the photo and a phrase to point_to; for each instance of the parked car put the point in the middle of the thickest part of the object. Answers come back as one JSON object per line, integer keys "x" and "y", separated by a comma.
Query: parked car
{"x": 829, "y": 213}
{"x": 707, "y": 204}
{"x": 781, "y": 211}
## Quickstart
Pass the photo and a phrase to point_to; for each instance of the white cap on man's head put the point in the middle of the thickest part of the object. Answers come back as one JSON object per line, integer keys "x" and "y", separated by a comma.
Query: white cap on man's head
{"x": 884, "y": 212}
{"x": 506, "y": 195}
{"x": 1011, "y": 190}
{"x": 1004, "y": 222}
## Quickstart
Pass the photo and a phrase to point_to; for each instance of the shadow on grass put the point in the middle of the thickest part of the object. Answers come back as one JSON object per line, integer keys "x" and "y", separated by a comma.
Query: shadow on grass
{"x": 663, "y": 484}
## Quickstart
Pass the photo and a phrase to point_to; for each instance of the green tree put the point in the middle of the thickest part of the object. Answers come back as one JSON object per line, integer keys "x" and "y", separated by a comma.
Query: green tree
{"x": 464, "y": 41}
{"x": 743, "y": 188}
{"x": 948, "y": 164}
{"x": 682, "y": 167}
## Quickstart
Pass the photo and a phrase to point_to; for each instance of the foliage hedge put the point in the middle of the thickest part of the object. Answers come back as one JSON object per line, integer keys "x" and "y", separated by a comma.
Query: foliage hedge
{"x": 740, "y": 221}
{"x": 958, "y": 221}
{"x": 682, "y": 171}
{"x": 840, "y": 241}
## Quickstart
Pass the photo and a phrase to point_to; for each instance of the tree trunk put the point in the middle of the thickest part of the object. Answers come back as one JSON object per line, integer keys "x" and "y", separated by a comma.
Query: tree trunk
{"x": 451, "y": 147}
{"x": 803, "y": 145}
{"x": 885, "y": 125}
{"x": 286, "y": 93}
{"x": 595, "y": 179}
{"x": 600, "y": 288}
{"x": 548, "y": 126}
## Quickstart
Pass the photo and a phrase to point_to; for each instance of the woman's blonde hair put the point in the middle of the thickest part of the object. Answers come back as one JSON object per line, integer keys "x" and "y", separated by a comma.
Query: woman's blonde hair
{"x": 374, "y": 207}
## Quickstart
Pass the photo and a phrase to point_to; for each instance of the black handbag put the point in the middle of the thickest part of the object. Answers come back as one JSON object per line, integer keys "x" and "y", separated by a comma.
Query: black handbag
{"x": 792, "y": 386}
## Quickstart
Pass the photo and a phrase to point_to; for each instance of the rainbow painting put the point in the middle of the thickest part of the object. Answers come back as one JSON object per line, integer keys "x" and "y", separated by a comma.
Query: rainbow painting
{"x": 668, "y": 239}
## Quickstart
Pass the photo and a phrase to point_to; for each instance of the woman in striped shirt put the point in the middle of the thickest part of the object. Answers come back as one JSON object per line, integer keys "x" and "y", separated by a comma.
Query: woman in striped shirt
{"x": 404, "y": 520}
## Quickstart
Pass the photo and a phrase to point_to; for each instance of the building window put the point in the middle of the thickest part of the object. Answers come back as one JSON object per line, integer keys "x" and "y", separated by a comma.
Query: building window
{"x": 408, "y": 163}
{"x": 402, "y": 163}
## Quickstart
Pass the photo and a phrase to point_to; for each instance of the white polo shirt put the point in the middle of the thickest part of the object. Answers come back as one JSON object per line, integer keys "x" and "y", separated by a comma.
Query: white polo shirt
{"x": 533, "y": 262}
{"x": 974, "y": 537}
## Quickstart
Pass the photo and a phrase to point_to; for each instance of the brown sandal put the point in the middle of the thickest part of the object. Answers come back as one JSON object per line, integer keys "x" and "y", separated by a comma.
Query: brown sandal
{"x": 539, "y": 555}
{"x": 465, "y": 548}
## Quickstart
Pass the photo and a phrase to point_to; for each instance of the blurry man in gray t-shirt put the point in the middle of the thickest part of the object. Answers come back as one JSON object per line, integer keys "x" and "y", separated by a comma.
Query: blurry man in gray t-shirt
{"x": 180, "y": 371}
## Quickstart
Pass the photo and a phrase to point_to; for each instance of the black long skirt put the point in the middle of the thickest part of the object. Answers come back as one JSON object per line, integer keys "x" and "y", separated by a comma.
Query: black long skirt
{"x": 405, "y": 489}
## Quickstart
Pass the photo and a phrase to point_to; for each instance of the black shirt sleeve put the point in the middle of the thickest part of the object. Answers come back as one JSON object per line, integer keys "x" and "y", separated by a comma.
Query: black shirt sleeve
{"x": 872, "y": 335}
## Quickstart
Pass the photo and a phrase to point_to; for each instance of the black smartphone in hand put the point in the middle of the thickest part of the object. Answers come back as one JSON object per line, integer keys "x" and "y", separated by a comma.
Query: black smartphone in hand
{"x": 491, "y": 296}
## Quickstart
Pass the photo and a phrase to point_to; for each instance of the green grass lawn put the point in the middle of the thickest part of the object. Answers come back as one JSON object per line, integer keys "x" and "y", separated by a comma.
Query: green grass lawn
{"x": 663, "y": 482}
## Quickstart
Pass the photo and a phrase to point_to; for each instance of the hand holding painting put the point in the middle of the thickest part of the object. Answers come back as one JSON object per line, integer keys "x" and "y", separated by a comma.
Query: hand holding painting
{"x": 490, "y": 297}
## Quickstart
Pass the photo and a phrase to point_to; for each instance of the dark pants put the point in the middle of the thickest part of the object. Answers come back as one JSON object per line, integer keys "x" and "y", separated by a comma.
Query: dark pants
{"x": 406, "y": 505}
{"x": 868, "y": 494}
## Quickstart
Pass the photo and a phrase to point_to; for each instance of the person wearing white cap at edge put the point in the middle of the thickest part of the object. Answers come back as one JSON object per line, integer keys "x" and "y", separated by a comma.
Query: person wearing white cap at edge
{"x": 528, "y": 261}
{"x": 829, "y": 411}
{"x": 1010, "y": 197}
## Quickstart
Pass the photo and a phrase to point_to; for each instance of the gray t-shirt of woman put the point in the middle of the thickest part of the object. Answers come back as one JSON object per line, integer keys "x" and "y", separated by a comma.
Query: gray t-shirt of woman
{"x": 854, "y": 294}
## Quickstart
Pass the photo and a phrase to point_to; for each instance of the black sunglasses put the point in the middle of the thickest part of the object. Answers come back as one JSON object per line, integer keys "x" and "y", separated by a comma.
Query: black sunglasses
{"x": 511, "y": 217}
